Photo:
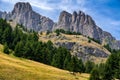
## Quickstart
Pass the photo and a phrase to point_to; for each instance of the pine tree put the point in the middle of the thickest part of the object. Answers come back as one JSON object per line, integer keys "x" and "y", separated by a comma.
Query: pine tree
{"x": 81, "y": 66}
{"x": 89, "y": 66}
{"x": 107, "y": 75}
{"x": 74, "y": 64}
{"x": 6, "y": 37}
{"x": 57, "y": 32}
{"x": 67, "y": 62}
{"x": 28, "y": 50}
{"x": 56, "y": 60}
{"x": 95, "y": 74}
{"x": 35, "y": 36}
{"x": 101, "y": 69}
{"x": 59, "y": 57}
{"x": 1, "y": 32}
{"x": 117, "y": 70}
{"x": 6, "y": 49}
{"x": 19, "y": 49}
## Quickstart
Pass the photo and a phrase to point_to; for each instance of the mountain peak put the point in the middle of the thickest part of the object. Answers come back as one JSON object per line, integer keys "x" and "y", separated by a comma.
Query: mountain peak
{"x": 64, "y": 12}
{"x": 22, "y": 7}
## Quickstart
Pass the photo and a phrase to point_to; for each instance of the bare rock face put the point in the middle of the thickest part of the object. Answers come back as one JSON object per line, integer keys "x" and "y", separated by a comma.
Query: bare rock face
{"x": 4, "y": 15}
{"x": 64, "y": 20}
{"x": 83, "y": 52}
{"x": 1, "y": 14}
{"x": 23, "y": 14}
{"x": 86, "y": 52}
{"x": 21, "y": 7}
{"x": 115, "y": 45}
{"x": 80, "y": 22}
{"x": 67, "y": 45}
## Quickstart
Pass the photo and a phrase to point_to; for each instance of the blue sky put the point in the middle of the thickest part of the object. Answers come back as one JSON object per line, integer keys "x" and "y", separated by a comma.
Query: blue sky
{"x": 106, "y": 13}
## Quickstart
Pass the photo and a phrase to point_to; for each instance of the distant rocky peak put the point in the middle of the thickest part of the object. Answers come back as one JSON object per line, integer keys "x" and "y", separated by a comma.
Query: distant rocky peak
{"x": 21, "y": 7}
{"x": 75, "y": 13}
{"x": 64, "y": 17}
{"x": 79, "y": 13}
{"x": 64, "y": 12}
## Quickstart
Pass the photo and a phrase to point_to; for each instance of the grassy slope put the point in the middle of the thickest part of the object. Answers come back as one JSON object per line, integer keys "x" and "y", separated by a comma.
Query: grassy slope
{"x": 71, "y": 38}
{"x": 79, "y": 39}
{"x": 13, "y": 68}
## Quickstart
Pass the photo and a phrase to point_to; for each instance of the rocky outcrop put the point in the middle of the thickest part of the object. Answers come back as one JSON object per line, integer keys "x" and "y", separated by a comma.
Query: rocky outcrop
{"x": 83, "y": 52}
{"x": 115, "y": 45}
{"x": 78, "y": 22}
{"x": 68, "y": 45}
{"x": 86, "y": 52}
{"x": 23, "y": 14}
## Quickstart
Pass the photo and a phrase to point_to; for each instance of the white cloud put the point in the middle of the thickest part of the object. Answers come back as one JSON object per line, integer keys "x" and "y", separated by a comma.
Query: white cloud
{"x": 116, "y": 23}
{"x": 42, "y": 4}
{"x": 82, "y": 2}
{"x": 46, "y": 5}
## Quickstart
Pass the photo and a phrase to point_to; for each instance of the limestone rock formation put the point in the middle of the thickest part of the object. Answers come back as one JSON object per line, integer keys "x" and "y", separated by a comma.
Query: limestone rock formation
{"x": 83, "y": 23}
{"x": 23, "y": 14}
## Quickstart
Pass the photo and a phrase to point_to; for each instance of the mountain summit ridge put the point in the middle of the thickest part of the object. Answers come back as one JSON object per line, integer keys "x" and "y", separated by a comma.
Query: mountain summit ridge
{"x": 76, "y": 22}
{"x": 21, "y": 6}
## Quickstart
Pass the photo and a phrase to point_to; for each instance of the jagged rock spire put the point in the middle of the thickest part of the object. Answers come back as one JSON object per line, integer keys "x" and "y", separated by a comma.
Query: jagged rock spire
{"x": 22, "y": 7}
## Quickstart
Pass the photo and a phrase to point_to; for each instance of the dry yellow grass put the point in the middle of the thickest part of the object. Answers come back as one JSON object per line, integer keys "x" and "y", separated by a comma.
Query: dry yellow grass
{"x": 79, "y": 39}
{"x": 71, "y": 38}
{"x": 13, "y": 68}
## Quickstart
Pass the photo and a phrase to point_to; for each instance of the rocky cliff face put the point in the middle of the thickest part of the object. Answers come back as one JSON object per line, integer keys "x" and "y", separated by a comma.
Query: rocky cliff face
{"x": 83, "y": 52}
{"x": 23, "y": 14}
{"x": 76, "y": 22}
{"x": 1, "y": 14}
{"x": 80, "y": 22}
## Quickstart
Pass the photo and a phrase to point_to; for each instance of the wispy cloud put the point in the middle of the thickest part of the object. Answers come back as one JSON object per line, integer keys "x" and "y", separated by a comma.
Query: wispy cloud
{"x": 115, "y": 23}
{"x": 42, "y": 4}
{"x": 50, "y": 5}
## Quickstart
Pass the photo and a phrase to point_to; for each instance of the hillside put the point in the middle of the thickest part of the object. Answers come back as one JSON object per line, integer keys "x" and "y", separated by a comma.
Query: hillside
{"x": 78, "y": 45}
{"x": 13, "y": 68}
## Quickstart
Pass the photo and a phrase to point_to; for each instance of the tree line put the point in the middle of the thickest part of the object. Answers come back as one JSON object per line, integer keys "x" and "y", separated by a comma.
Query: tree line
{"x": 58, "y": 31}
